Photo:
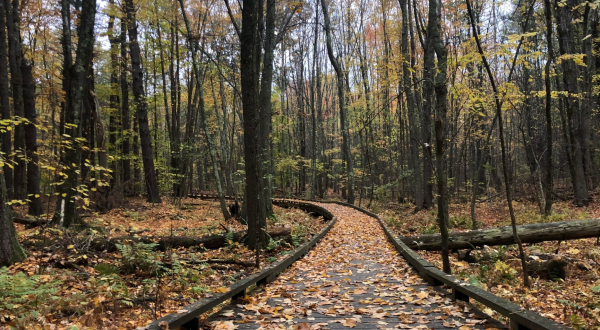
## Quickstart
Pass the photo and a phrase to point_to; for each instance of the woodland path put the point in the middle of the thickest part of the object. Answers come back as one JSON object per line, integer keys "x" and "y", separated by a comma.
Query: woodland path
{"x": 353, "y": 278}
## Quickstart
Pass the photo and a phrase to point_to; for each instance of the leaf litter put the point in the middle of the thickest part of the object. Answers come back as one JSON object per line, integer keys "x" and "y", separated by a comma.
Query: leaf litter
{"x": 63, "y": 284}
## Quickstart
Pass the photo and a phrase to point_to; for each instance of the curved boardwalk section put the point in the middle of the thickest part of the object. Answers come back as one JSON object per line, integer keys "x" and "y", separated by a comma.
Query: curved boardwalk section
{"x": 352, "y": 279}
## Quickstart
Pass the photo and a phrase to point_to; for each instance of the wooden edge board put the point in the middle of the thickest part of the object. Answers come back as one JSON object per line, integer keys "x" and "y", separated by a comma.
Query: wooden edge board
{"x": 194, "y": 310}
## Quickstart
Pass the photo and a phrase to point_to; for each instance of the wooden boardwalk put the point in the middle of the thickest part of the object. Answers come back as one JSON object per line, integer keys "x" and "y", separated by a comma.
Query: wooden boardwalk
{"x": 352, "y": 279}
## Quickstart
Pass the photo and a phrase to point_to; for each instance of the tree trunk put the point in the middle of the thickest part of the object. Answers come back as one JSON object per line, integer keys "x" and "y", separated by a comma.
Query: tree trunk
{"x": 566, "y": 42}
{"x": 265, "y": 125}
{"x": 342, "y": 104}
{"x": 441, "y": 91}
{"x": 549, "y": 182}
{"x": 33, "y": 169}
{"x": 498, "y": 104}
{"x": 142, "y": 107}
{"x": 209, "y": 141}
{"x": 15, "y": 56}
{"x": 415, "y": 136}
{"x": 428, "y": 106}
{"x": 535, "y": 233}
{"x": 114, "y": 112}
{"x": 74, "y": 86}
{"x": 249, "y": 69}
{"x": 125, "y": 117}
{"x": 10, "y": 249}
{"x": 5, "y": 103}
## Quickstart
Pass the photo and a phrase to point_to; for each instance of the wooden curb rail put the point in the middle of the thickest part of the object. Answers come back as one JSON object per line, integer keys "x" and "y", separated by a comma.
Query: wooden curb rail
{"x": 189, "y": 319}
{"x": 520, "y": 318}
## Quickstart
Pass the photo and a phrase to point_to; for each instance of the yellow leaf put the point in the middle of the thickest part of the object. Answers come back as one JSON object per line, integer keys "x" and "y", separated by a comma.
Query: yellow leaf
{"x": 222, "y": 289}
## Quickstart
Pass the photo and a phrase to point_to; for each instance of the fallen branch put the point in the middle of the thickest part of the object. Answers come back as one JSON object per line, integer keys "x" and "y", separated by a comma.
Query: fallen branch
{"x": 216, "y": 261}
{"x": 542, "y": 232}
{"x": 30, "y": 223}
{"x": 208, "y": 242}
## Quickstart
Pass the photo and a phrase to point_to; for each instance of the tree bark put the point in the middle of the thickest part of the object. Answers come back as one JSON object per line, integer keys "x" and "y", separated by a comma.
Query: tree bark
{"x": 535, "y": 233}
{"x": 142, "y": 107}
{"x": 498, "y": 104}
{"x": 549, "y": 182}
{"x": 10, "y": 249}
{"x": 74, "y": 86}
{"x": 15, "y": 56}
{"x": 200, "y": 90}
{"x": 342, "y": 104}
{"x": 411, "y": 103}
{"x": 249, "y": 68}
{"x": 566, "y": 42}
{"x": 265, "y": 125}
{"x": 114, "y": 112}
{"x": 33, "y": 169}
{"x": 5, "y": 104}
{"x": 125, "y": 117}
{"x": 441, "y": 91}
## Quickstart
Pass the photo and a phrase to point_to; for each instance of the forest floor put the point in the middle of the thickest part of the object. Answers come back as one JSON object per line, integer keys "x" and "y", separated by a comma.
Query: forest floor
{"x": 574, "y": 301}
{"x": 66, "y": 283}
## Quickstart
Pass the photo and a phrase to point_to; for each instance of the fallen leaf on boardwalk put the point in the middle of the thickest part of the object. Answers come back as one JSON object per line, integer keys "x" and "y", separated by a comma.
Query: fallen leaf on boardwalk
{"x": 302, "y": 326}
{"x": 423, "y": 294}
{"x": 379, "y": 314}
{"x": 227, "y": 313}
{"x": 350, "y": 323}
{"x": 224, "y": 325}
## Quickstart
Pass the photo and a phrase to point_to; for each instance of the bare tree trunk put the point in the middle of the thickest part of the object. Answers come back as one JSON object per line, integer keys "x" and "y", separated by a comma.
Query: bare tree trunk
{"x": 502, "y": 146}
{"x": 407, "y": 88}
{"x": 142, "y": 107}
{"x": 249, "y": 68}
{"x": 33, "y": 169}
{"x": 5, "y": 104}
{"x": 549, "y": 183}
{"x": 441, "y": 91}
{"x": 10, "y": 249}
{"x": 342, "y": 104}
{"x": 74, "y": 86}
{"x": 15, "y": 56}
{"x": 115, "y": 182}
{"x": 566, "y": 40}
{"x": 266, "y": 114}
{"x": 125, "y": 117}
{"x": 200, "y": 89}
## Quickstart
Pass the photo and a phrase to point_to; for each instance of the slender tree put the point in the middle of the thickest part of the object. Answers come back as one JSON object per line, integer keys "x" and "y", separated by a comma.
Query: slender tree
{"x": 141, "y": 105}
{"x": 341, "y": 102}
{"x": 498, "y": 104}
{"x": 14, "y": 57}
{"x": 33, "y": 169}
{"x": 76, "y": 74}
{"x": 5, "y": 105}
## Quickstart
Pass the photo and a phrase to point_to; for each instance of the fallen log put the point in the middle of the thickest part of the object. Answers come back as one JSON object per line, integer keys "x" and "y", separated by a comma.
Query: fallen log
{"x": 535, "y": 233}
{"x": 209, "y": 242}
{"x": 30, "y": 223}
